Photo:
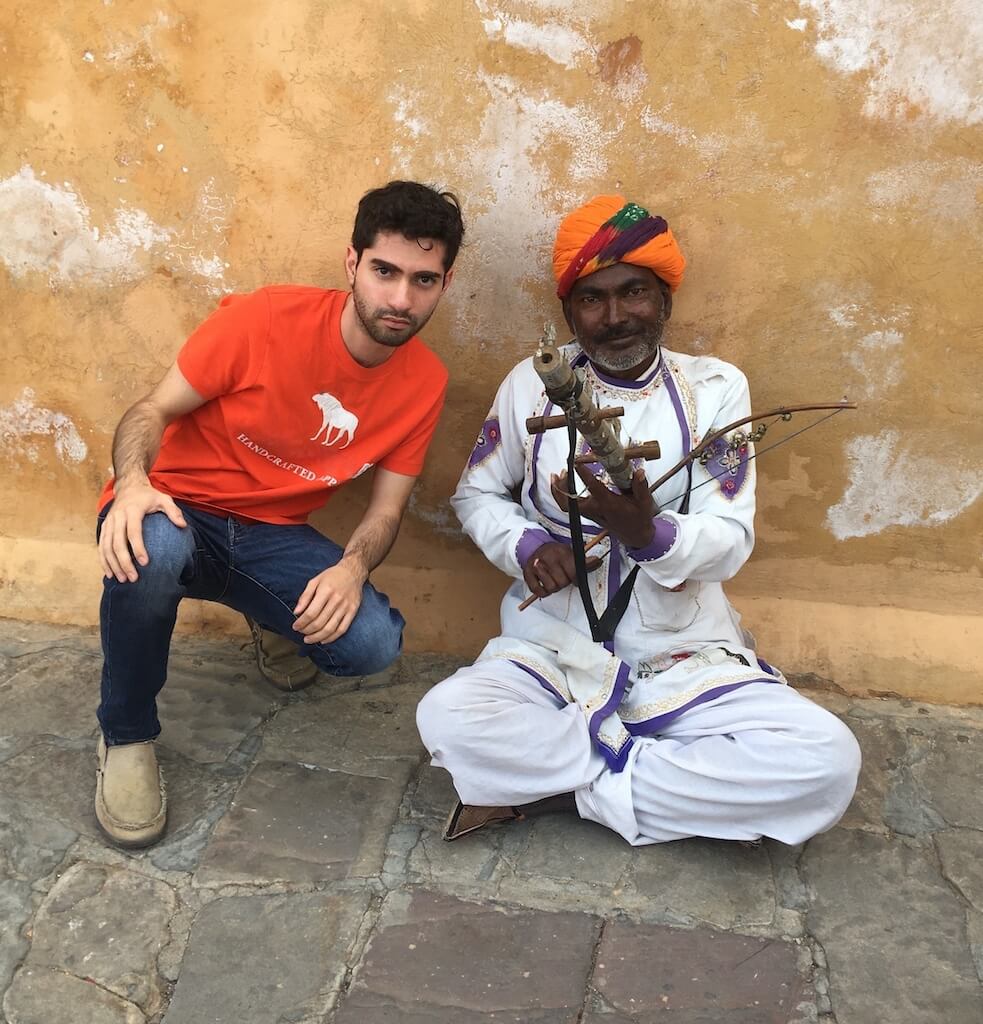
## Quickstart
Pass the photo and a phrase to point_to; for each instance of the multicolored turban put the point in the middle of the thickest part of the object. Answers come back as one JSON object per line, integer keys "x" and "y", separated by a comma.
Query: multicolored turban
{"x": 607, "y": 230}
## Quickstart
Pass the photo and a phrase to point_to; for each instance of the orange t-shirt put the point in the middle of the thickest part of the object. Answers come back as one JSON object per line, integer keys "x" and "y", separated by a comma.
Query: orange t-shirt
{"x": 290, "y": 416}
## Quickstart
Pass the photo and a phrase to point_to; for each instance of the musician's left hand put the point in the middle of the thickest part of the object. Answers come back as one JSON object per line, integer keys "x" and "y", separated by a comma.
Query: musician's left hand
{"x": 627, "y": 515}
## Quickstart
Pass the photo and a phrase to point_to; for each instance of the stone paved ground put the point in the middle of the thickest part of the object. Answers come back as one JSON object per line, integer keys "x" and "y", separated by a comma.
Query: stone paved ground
{"x": 303, "y": 878}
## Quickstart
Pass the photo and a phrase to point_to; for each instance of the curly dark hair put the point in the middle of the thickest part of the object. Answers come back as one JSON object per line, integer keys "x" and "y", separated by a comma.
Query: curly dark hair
{"x": 415, "y": 211}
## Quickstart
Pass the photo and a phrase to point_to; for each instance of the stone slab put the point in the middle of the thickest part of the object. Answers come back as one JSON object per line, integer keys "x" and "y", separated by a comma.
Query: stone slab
{"x": 652, "y": 972}
{"x": 726, "y": 885}
{"x": 893, "y": 931}
{"x": 206, "y": 710}
{"x": 467, "y": 866}
{"x": 105, "y": 925}
{"x": 882, "y": 743}
{"x": 31, "y": 844}
{"x": 591, "y": 853}
{"x": 53, "y": 692}
{"x": 15, "y": 910}
{"x": 42, "y": 996}
{"x": 257, "y": 959}
{"x": 295, "y": 823}
{"x": 961, "y": 852}
{"x": 352, "y": 732}
{"x": 433, "y": 957}
{"x": 59, "y": 781}
{"x": 946, "y": 767}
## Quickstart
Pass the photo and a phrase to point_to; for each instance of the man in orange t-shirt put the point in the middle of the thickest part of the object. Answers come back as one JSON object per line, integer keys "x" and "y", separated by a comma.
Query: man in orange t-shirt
{"x": 279, "y": 398}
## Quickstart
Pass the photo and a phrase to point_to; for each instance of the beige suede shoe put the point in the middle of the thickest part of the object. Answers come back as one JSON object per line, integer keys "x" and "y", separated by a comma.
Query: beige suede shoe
{"x": 131, "y": 804}
{"x": 279, "y": 661}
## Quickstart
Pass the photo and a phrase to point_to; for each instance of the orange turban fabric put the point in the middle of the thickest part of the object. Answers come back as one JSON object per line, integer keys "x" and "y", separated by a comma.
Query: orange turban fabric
{"x": 607, "y": 230}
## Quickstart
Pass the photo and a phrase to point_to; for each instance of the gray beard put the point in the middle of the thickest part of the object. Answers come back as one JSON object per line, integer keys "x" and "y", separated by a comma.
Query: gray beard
{"x": 619, "y": 361}
{"x": 644, "y": 351}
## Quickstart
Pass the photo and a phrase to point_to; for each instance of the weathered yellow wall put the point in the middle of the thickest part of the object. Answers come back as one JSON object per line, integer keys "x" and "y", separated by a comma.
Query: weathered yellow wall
{"x": 820, "y": 161}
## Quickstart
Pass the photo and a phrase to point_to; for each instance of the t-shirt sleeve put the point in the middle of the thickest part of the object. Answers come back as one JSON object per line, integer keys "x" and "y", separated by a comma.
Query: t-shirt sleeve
{"x": 227, "y": 352}
{"x": 407, "y": 457}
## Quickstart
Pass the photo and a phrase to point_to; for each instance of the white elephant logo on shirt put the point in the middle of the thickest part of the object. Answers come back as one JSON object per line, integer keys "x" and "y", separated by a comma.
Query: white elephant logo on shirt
{"x": 336, "y": 421}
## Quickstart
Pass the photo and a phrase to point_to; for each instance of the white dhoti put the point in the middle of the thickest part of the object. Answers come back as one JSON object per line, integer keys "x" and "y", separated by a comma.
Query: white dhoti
{"x": 761, "y": 760}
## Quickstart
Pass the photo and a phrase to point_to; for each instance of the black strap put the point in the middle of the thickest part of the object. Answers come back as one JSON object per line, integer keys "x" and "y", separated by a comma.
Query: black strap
{"x": 601, "y": 629}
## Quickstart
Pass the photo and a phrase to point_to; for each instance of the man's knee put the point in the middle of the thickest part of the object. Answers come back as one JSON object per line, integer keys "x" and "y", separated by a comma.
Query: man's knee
{"x": 843, "y": 758}
{"x": 371, "y": 644}
{"x": 170, "y": 553}
{"x": 435, "y": 714}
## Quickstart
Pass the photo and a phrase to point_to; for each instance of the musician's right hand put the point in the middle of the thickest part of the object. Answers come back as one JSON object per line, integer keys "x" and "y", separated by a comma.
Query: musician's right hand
{"x": 551, "y": 568}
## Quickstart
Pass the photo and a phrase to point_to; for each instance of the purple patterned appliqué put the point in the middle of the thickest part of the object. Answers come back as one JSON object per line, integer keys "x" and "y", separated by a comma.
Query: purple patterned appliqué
{"x": 728, "y": 463}
{"x": 488, "y": 440}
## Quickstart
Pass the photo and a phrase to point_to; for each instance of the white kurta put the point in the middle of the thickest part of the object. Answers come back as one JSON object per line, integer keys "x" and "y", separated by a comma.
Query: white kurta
{"x": 641, "y": 680}
{"x": 546, "y": 709}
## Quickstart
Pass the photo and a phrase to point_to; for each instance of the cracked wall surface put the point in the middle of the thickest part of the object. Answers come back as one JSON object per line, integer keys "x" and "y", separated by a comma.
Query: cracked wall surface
{"x": 819, "y": 162}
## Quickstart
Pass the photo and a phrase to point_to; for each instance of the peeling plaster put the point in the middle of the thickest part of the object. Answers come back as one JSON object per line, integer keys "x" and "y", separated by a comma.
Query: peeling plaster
{"x": 48, "y": 230}
{"x": 23, "y": 420}
{"x": 513, "y": 192}
{"x": 877, "y": 355}
{"x": 948, "y": 189}
{"x": 929, "y": 63}
{"x": 892, "y": 486}
{"x": 562, "y": 45}
{"x": 708, "y": 146}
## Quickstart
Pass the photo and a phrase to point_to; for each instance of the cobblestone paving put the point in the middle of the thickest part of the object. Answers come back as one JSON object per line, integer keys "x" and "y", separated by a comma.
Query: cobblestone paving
{"x": 303, "y": 878}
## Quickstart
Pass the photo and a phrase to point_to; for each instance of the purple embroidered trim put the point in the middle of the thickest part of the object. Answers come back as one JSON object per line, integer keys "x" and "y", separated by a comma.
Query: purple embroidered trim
{"x": 765, "y": 667}
{"x": 488, "y": 440}
{"x": 615, "y": 758}
{"x": 662, "y": 540}
{"x": 678, "y": 406}
{"x": 633, "y": 385}
{"x": 652, "y": 725}
{"x": 732, "y": 463}
{"x": 530, "y": 541}
{"x": 542, "y": 680}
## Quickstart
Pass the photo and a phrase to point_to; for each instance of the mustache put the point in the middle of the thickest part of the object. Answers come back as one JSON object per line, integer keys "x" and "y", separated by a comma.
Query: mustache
{"x": 642, "y": 333}
{"x": 395, "y": 314}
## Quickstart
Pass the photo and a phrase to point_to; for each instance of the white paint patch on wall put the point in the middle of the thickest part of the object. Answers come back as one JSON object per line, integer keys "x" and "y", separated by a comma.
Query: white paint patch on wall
{"x": 440, "y": 519}
{"x": 514, "y": 198}
{"x": 23, "y": 421}
{"x": 931, "y": 62}
{"x": 138, "y": 49}
{"x": 47, "y": 230}
{"x": 195, "y": 252}
{"x": 708, "y": 146}
{"x": 876, "y": 363}
{"x": 877, "y": 355}
{"x": 893, "y": 486}
{"x": 948, "y": 189}
{"x": 562, "y": 45}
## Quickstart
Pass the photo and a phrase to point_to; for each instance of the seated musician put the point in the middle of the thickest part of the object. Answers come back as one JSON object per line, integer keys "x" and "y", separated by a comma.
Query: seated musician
{"x": 664, "y": 723}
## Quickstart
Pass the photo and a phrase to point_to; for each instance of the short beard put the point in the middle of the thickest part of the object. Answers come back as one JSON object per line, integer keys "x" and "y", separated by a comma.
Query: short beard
{"x": 646, "y": 349}
{"x": 371, "y": 321}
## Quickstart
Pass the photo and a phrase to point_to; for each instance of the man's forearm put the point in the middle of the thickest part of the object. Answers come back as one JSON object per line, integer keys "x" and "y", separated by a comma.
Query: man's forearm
{"x": 370, "y": 543}
{"x": 137, "y": 442}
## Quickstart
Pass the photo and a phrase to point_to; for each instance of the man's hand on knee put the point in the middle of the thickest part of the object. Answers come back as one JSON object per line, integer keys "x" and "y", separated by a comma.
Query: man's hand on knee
{"x": 121, "y": 535}
{"x": 328, "y": 604}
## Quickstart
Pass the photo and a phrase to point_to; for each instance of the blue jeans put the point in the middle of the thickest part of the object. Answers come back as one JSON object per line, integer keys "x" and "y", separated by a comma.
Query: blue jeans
{"x": 256, "y": 568}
